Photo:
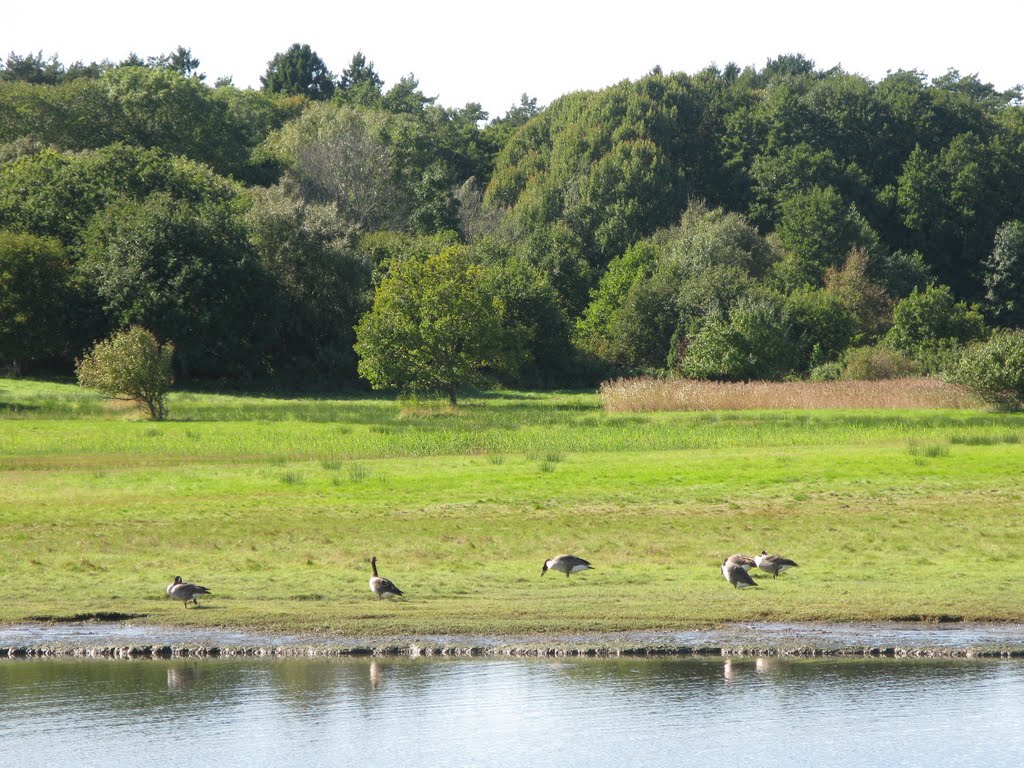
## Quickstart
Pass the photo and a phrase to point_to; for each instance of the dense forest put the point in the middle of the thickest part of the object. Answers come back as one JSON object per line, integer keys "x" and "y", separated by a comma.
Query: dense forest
{"x": 330, "y": 229}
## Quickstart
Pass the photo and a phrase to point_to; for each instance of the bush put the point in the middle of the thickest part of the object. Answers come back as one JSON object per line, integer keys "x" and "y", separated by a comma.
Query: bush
{"x": 876, "y": 363}
{"x": 831, "y": 371}
{"x": 753, "y": 343}
{"x": 932, "y": 327}
{"x": 130, "y": 365}
{"x": 994, "y": 369}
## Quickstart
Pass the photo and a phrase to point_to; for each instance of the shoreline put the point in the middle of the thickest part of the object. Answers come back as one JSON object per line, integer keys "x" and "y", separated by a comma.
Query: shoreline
{"x": 106, "y": 640}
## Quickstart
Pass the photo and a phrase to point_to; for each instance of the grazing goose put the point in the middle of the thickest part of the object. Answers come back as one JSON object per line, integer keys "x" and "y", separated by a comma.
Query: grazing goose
{"x": 565, "y": 564}
{"x": 744, "y": 562}
{"x": 737, "y": 575}
{"x": 773, "y": 564}
{"x": 186, "y": 592}
{"x": 380, "y": 586}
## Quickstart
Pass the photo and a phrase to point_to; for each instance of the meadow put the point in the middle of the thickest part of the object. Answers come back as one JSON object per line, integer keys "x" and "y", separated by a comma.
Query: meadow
{"x": 276, "y": 504}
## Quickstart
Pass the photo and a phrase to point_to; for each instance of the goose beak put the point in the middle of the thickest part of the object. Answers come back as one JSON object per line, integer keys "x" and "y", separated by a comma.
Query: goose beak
{"x": 544, "y": 569}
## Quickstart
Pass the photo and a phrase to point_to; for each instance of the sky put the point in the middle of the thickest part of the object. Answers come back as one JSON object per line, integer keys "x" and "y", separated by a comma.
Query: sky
{"x": 492, "y": 52}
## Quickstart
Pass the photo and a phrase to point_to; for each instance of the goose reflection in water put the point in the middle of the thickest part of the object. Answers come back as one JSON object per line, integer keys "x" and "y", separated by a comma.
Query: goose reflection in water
{"x": 181, "y": 677}
{"x": 376, "y": 675}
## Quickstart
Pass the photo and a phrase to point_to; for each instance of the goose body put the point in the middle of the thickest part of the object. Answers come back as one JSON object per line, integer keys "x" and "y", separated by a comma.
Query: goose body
{"x": 744, "y": 562}
{"x": 773, "y": 564}
{"x": 185, "y": 592}
{"x": 565, "y": 564}
{"x": 737, "y": 575}
{"x": 380, "y": 586}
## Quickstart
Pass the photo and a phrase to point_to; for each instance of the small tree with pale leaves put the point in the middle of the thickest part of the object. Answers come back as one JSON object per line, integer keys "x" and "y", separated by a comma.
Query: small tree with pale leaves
{"x": 131, "y": 365}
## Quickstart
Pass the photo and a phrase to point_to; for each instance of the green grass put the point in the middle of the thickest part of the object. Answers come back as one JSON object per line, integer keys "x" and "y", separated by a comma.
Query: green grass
{"x": 276, "y": 504}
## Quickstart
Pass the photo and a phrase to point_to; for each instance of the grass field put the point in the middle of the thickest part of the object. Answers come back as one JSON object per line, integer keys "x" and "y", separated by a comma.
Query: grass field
{"x": 277, "y": 504}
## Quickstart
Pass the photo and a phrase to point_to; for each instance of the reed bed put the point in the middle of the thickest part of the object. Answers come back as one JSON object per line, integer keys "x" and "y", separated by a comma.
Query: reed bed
{"x": 651, "y": 394}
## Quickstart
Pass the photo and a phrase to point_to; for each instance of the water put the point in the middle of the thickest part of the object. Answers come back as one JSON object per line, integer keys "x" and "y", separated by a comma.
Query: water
{"x": 519, "y": 712}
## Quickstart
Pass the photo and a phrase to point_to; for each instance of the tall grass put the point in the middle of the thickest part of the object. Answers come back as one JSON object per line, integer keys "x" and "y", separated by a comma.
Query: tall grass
{"x": 650, "y": 394}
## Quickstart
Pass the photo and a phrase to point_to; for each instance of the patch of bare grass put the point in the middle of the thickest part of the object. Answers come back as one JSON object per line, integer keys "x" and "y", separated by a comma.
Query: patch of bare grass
{"x": 650, "y": 394}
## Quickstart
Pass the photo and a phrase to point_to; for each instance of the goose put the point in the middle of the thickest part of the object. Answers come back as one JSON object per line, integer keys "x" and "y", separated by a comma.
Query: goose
{"x": 185, "y": 592}
{"x": 773, "y": 564}
{"x": 737, "y": 575}
{"x": 744, "y": 562}
{"x": 565, "y": 564}
{"x": 380, "y": 586}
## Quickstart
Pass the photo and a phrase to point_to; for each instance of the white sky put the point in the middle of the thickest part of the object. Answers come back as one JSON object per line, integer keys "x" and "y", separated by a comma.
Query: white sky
{"x": 491, "y": 52}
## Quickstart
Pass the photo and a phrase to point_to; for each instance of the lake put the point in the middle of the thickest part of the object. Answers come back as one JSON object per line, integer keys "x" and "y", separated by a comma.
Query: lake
{"x": 512, "y": 712}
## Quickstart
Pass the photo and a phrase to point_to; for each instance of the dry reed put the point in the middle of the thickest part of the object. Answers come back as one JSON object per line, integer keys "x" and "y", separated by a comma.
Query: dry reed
{"x": 650, "y": 394}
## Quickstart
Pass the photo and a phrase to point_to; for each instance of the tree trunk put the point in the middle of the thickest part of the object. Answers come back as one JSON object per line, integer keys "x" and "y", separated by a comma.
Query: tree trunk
{"x": 452, "y": 395}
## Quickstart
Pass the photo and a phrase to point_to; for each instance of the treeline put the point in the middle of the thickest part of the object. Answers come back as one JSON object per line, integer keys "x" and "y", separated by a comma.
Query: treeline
{"x": 731, "y": 224}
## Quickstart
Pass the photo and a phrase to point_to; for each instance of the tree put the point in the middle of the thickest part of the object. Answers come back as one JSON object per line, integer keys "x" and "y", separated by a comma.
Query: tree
{"x": 1004, "y": 276}
{"x": 866, "y": 300}
{"x": 299, "y": 71}
{"x": 34, "y": 277}
{"x": 182, "y": 269}
{"x": 341, "y": 156}
{"x": 753, "y": 342}
{"x": 130, "y": 365}
{"x": 180, "y": 60}
{"x": 822, "y": 326}
{"x": 360, "y": 83}
{"x": 435, "y": 326}
{"x": 818, "y": 228}
{"x": 319, "y": 284}
{"x": 994, "y": 369}
{"x": 931, "y": 325}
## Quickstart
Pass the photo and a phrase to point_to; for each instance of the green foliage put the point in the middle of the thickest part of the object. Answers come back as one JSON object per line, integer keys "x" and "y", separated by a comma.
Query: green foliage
{"x": 435, "y": 326}
{"x": 994, "y": 369}
{"x": 319, "y": 281}
{"x": 818, "y": 228}
{"x": 865, "y": 299}
{"x": 376, "y": 168}
{"x": 875, "y": 363}
{"x": 182, "y": 269}
{"x": 34, "y": 286}
{"x": 58, "y": 193}
{"x": 531, "y": 307}
{"x": 821, "y": 326}
{"x": 608, "y": 328}
{"x": 1004, "y": 276}
{"x": 607, "y": 165}
{"x": 931, "y": 325}
{"x": 130, "y": 365}
{"x": 299, "y": 71}
{"x": 753, "y": 342}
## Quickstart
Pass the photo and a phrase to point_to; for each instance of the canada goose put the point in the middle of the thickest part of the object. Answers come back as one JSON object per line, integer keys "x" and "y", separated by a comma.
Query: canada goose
{"x": 186, "y": 592}
{"x": 737, "y": 575}
{"x": 566, "y": 564}
{"x": 773, "y": 564}
{"x": 744, "y": 562}
{"x": 380, "y": 586}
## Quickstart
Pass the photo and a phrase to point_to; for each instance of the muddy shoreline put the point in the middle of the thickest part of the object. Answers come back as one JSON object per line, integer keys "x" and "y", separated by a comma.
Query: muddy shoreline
{"x": 125, "y": 640}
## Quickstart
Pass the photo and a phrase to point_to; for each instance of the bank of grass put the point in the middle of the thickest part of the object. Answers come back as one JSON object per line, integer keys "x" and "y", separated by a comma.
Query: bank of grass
{"x": 276, "y": 504}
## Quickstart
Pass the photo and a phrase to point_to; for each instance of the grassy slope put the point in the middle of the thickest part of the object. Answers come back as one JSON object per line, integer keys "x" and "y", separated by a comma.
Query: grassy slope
{"x": 277, "y": 504}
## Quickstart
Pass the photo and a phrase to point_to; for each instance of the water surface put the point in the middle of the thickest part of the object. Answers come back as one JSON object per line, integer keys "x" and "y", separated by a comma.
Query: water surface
{"x": 519, "y": 712}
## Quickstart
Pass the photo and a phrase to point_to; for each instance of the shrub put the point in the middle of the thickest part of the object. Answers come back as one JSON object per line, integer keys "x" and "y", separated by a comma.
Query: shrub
{"x": 876, "y": 363}
{"x": 130, "y": 365}
{"x": 753, "y": 343}
{"x": 994, "y": 369}
{"x": 831, "y": 371}
{"x": 932, "y": 326}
